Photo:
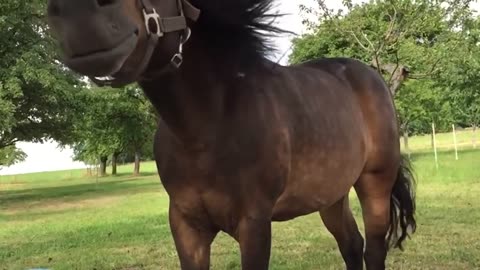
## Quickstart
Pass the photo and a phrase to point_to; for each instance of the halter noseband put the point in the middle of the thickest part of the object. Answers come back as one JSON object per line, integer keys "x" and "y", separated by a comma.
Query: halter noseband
{"x": 155, "y": 28}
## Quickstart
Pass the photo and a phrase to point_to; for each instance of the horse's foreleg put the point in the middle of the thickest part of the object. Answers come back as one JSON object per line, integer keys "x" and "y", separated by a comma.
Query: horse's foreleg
{"x": 192, "y": 241}
{"x": 339, "y": 221}
{"x": 254, "y": 235}
{"x": 374, "y": 190}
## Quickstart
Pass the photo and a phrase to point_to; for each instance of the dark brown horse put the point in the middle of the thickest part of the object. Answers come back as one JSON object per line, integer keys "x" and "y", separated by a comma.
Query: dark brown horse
{"x": 244, "y": 141}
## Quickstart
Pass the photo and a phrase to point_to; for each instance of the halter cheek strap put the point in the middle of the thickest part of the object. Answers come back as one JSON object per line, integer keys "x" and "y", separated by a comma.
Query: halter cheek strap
{"x": 155, "y": 28}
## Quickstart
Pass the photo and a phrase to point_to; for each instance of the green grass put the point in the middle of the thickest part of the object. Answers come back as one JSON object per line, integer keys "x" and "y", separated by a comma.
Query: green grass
{"x": 445, "y": 141}
{"x": 65, "y": 220}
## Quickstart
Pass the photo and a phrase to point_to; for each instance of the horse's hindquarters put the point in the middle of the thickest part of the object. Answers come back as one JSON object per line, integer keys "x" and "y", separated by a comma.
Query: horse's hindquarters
{"x": 328, "y": 144}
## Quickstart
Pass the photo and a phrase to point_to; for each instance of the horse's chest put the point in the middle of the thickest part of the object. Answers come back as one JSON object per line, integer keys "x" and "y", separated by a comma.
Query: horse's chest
{"x": 205, "y": 187}
{"x": 218, "y": 206}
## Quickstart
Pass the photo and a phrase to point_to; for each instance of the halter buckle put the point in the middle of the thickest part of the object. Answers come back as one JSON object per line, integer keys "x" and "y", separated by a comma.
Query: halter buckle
{"x": 156, "y": 19}
{"x": 177, "y": 60}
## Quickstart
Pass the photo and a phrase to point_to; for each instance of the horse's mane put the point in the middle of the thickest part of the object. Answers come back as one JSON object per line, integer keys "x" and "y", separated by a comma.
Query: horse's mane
{"x": 241, "y": 27}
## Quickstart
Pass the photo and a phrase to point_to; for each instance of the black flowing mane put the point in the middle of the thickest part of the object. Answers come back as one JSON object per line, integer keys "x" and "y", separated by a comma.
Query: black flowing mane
{"x": 239, "y": 28}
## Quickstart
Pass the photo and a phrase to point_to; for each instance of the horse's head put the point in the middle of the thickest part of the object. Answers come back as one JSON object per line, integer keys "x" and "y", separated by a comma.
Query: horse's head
{"x": 118, "y": 38}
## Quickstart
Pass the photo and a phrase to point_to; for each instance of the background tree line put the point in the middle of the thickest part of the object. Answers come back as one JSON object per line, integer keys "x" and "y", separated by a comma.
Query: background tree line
{"x": 427, "y": 51}
{"x": 41, "y": 100}
{"x": 113, "y": 125}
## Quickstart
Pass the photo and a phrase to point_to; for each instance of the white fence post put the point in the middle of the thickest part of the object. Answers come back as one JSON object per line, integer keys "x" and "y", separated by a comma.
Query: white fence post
{"x": 455, "y": 141}
{"x": 474, "y": 137}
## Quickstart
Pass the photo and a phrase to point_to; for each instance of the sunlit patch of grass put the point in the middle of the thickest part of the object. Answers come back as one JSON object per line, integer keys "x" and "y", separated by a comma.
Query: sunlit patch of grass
{"x": 121, "y": 223}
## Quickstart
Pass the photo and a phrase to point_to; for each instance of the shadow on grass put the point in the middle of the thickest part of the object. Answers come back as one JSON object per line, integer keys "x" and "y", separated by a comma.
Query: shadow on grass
{"x": 79, "y": 191}
{"x": 65, "y": 176}
{"x": 32, "y": 216}
{"x": 129, "y": 175}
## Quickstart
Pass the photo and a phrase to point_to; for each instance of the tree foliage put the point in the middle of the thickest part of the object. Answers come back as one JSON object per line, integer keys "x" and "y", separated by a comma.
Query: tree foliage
{"x": 36, "y": 92}
{"x": 113, "y": 121}
{"x": 10, "y": 155}
{"x": 420, "y": 103}
{"x": 462, "y": 76}
{"x": 400, "y": 38}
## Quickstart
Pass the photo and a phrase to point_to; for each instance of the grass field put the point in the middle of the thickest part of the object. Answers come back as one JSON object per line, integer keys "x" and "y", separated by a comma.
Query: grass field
{"x": 65, "y": 220}
{"x": 445, "y": 142}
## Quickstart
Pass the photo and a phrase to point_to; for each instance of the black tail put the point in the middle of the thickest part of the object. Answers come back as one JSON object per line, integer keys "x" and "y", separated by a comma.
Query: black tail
{"x": 402, "y": 206}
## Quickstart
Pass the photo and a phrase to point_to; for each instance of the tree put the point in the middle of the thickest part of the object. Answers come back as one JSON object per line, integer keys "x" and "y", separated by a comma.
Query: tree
{"x": 10, "y": 155}
{"x": 420, "y": 103}
{"x": 113, "y": 121}
{"x": 136, "y": 123}
{"x": 401, "y": 39}
{"x": 36, "y": 92}
{"x": 462, "y": 76}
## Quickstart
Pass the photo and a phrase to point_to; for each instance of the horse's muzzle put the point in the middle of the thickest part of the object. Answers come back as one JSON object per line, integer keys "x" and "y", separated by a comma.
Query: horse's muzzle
{"x": 96, "y": 38}
{"x": 104, "y": 62}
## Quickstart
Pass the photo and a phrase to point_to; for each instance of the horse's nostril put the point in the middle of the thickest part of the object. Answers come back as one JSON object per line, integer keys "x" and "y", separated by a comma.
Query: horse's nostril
{"x": 103, "y": 3}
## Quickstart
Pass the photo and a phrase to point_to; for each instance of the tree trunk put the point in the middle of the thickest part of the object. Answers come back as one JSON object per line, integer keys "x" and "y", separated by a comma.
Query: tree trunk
{"x": 397, "y": 74}
{"x": 136, "y": 169}
{"x": 103, "y": 166}
{"x": 474, "y": 136}
{"x": 114, "y": 163}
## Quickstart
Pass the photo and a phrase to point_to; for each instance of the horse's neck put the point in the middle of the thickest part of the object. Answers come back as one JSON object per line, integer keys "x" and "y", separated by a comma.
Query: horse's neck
{"x": 192, "y": 101}
{"x": 189, "y": 102}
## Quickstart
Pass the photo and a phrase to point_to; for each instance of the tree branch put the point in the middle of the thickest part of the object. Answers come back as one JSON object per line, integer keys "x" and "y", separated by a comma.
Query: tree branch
{"x": 428, "y": 74}
{"x": 397, "y": 65}
{"x": 370, "y": 44}
{"x": 391, "y": 27}
{"x": 358, "y": 41}
{"x": 8, "y": 143}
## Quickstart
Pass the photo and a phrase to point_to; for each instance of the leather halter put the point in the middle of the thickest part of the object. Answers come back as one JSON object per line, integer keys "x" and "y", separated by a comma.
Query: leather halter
{"x": 156, "y": 27}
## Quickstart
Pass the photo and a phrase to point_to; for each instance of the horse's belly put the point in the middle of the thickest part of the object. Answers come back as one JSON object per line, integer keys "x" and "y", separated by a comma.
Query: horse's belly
{"x": 298, "y": 202}
{"x": 313, "y": 186}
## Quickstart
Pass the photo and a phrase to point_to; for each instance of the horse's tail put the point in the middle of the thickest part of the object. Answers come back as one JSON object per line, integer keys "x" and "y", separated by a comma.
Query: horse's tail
{"x": 402, "y": 206}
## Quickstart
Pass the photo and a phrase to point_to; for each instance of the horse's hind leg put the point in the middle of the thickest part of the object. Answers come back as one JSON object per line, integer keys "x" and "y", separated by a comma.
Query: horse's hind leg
{"x": 373, "y": 190}
{"x": 388, "y": 203}
{"x": 340, "y": 222}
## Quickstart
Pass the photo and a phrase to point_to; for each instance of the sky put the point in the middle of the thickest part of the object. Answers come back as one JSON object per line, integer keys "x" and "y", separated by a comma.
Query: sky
{"x": 292, "y": 22}
{"x": 47, "y": 157}
{"x": 43, "y": 157}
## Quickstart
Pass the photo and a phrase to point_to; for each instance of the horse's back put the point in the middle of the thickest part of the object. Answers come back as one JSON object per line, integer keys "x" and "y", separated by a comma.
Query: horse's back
{"x": 344, "y": 124}
{"x": 376, "y": 104}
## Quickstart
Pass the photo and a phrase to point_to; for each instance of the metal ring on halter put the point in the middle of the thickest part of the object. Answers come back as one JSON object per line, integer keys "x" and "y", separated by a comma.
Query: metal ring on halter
{"x": 156, "y": 18}
{"x": 189, "y": 33}
{"x": 177, "y": 59}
